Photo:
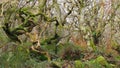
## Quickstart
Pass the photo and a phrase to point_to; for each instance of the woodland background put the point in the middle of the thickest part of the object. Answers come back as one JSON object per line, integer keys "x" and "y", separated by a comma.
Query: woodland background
{"x": 59, "y": 33}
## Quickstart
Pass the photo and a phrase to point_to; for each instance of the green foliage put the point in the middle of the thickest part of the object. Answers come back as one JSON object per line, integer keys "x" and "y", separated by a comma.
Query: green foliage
{"x": 79, "y": 64}
{"x": 101, "y": 60}
{"x": 16, "y": 58}
{"x": 38, "y": 57}
{"x": 71, "y": 52}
